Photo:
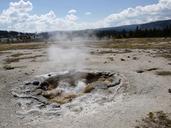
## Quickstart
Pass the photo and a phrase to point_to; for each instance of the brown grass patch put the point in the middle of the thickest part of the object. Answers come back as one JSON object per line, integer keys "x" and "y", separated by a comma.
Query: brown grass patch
{"x": 166, "y": 54}
{"x": 155, "y": 120}
{"x": 2, "y": 52}
{"x": 147, "y": 70}
{"x": 152, "y": 69}
{"x": 8, "y": 67}
{"x": 17, "y": 55}
{"x": 164, "y": 73}
{"x": 17, "y": 59}
{"x": 138, "y": 43}
{"x": 16, "y": 46}
{"x": 64, "y": 98}
{"x": 88, "y": 89}
{"x": 110, "y": 52}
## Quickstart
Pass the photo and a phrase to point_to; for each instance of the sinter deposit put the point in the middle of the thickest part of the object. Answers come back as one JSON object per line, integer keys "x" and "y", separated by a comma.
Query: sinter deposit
{"x": 59, "y": 92}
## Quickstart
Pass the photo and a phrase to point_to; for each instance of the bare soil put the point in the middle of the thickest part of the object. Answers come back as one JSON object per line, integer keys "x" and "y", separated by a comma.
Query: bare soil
{"x": 146, "y": 69}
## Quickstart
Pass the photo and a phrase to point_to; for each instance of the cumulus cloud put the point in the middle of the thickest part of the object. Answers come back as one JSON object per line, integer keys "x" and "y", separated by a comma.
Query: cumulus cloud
{"x": 71, "y": 17}
{"x": 18, "y": 16}
{"x": 72, "y": 11}
{"x": 141, "y": 14}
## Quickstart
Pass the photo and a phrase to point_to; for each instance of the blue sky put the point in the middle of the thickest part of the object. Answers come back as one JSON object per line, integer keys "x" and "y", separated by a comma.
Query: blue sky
{"x": 98, "y": 8}
{"x": 47, "y": 15}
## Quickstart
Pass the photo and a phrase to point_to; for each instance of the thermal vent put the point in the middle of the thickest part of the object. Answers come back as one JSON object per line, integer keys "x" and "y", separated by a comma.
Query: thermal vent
{"x": 71, "y": 87}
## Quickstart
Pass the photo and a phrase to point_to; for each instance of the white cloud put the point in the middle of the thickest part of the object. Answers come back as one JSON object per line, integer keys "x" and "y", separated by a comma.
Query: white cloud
{"x": 141, "y": 14}
{"x": 18, "y": 17}
{"x": 88, "y": 13}
{"x": 71, "y": 17}
{"x": 72, "y": 11}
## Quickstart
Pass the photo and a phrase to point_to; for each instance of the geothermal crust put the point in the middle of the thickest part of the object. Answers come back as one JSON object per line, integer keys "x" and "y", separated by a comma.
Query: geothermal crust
{"x": 55, "y": 92}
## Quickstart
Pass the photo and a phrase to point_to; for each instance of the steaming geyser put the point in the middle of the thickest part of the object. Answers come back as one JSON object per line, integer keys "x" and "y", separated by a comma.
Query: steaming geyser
{"x": 62, "y": 89}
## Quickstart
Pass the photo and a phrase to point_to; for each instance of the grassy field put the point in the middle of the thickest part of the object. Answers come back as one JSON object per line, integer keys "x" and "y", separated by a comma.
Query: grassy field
{"x": 16, "y": 46}
{"x": 130, "y": 43}
{"x": 139, "y": 43}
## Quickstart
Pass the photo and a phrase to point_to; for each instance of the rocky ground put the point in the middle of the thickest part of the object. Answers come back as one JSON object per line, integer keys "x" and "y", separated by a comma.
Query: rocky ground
{"x": 147, "y": 73}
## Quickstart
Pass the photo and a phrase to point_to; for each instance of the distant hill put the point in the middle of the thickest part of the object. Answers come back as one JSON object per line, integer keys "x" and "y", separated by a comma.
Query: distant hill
{"x": 152, "y": 25}
{"x": 114, "y": 31}
{"x": 152, "y": 29}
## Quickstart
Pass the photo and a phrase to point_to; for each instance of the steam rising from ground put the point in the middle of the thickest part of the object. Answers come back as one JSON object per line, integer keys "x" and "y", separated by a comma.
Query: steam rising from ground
{"x": 69, "y": 57}
{"x": 67, "y": 53}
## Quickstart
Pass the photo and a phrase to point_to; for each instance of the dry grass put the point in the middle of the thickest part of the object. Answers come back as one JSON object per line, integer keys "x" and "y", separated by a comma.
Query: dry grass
{"x": 17, "y": 59}
{"x": 138, "y": 43}
{"x": 155, "y": 120}
{"x": 166, "y": 54}
{"x": 16, "y": 46}
{"x": 64, "y": 98}
{"x": 4, "y": 52}
{"x": 147, "y": 70}
{"x": 110, "y": 52}
{"x": 152, "y": 69}
{"x": 8, "y": 67}
{"x": 88, "y": 89}
{"x": 164, "y": 73}
{"x": 17, "y": 55}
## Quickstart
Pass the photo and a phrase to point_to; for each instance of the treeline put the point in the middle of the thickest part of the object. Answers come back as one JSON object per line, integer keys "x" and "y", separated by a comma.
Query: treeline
{"x": 137, "y": 33}
{"x": 109, "y": 33}
{"x": 12, "y": 37}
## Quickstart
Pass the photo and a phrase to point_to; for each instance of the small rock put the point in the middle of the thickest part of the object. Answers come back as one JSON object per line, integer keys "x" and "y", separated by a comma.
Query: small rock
{"x": 36, "y": 82}
{"x": 111, "y": 58}
{"x": 140, "y": 71}
{"x": 122, "y": 59}
{"x": 134, "y": 58}
{"x": 26, "y": 73}
{"x": 55, "y": 105}
{"x": 27, "y": 83}
{"x": 169, "y": 90}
